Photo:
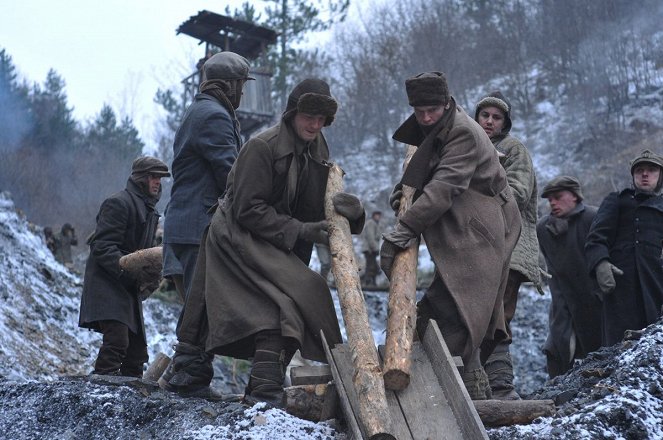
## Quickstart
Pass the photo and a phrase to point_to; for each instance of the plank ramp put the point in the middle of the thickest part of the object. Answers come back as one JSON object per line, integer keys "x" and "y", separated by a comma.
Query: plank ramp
{"x": 434, "y": 406}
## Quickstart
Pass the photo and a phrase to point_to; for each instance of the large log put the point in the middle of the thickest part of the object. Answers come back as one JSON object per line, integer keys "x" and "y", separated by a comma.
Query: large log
{"x": 367, "y": 380}
{"x": 143, "y": 260}
{"x": 512, "y": 412}
{"x": 402, "y": 308}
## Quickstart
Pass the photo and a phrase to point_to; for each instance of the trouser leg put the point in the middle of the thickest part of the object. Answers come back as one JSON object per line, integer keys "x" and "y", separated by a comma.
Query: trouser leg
{"x": 113, "y": 347}
{"x": 136, "y": 356}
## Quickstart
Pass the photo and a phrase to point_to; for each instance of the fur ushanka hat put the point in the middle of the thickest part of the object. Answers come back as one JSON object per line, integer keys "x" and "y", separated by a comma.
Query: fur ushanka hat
{"x": 311, "y": 96}
{"x": 428, "y": 88}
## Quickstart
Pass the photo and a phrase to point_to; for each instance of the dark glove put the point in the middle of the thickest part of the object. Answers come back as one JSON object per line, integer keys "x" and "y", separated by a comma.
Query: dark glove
{"x": 147, "y": 288}
{"x": 395, "y": 197}
{"x": 388, "y": 252}
{"x": 605, "y": 276}
{"x": 395, "y": 241}
{"x": 315, "y": 232}
{"x": 348, "y": 205}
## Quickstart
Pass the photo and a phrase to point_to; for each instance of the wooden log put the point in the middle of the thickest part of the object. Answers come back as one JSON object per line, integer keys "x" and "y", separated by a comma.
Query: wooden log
{"x": 312, "y": 402}
{"x": 143, "y": 260}
{"x": 402, "y": 307}
{"x": 157, "y": 367}
{"x": 512, "y": 412}
{"x": 367, "y": 380}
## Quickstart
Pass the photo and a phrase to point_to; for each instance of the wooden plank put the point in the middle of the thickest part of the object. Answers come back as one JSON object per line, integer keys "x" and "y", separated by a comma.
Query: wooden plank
{"x": 342, "y": 357}
{"x": 452, "y": 384}
{"x": 310, "y": 374}
{"x": 424, "y": 401}
{"x": 513, "y": 412}
{"x": 354, "y": 432}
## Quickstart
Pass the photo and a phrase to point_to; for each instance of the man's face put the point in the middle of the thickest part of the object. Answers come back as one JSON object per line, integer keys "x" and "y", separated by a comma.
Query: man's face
{"x": 645, "y": 176}
{"x": 491, "y": 120}
{"x": 428, "y": 114}
{"x": 562, "y": 202}
{"x": 153, "y": 185}
{"x": 308, "y": 126}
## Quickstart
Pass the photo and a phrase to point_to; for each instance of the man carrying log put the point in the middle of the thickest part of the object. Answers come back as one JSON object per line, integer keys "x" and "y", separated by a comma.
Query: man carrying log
{"x": 253, "y": 295}
{"x": 110, "y": 304}
{"x": 467, "y": 214}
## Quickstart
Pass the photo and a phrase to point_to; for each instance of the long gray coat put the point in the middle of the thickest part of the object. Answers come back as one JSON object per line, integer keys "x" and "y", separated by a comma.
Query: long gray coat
{"x": 470, "y": 221}
{"x": 252, "y": 272}
{"x": 575, "y": 307}
{"x": 521, "y": 177}
{"x": 126, "y": 222}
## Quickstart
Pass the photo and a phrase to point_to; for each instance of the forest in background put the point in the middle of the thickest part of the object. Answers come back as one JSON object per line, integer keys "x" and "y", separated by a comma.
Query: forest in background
{"x": 573, "y": 69}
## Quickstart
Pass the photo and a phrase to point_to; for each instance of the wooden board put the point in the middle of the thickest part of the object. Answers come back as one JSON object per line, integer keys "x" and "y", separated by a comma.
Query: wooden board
{"x": 424, "y": 403}
{"x": 449, "y": 379}
{"x": 310, "y": 374}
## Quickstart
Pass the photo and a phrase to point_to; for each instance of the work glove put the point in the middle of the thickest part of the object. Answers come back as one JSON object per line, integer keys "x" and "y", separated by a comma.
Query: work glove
{"x": 394, "y": 242}
{"x": 348, "y": 205}
{"x": 395, "y": 197}
{"x": 315, "y": 232}
{"x": 605, "y": 276}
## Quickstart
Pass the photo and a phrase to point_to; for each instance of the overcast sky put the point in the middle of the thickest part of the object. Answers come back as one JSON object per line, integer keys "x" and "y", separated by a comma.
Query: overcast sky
{"x": 112, "y": 51}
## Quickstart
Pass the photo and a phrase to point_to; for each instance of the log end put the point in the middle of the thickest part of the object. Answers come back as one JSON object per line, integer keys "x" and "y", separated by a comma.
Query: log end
{"x": 396, "y": 380}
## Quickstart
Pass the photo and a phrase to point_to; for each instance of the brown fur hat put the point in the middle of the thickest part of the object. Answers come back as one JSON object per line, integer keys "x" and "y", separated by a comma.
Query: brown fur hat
{"x": 312, "y": 96}
{"x": 428, "y": 88}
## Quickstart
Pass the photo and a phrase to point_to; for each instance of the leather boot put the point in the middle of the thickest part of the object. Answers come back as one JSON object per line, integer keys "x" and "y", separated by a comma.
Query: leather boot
{"x": 268, "y": 371}
{"x": 190, "y": 373}
{"x": 499, "y": 369}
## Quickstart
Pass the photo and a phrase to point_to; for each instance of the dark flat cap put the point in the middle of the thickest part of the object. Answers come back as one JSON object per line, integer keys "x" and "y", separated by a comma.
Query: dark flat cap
{"x": 148, "y": 165}
{"x": 563, "y": 183}
{"x": 227, "y": 66}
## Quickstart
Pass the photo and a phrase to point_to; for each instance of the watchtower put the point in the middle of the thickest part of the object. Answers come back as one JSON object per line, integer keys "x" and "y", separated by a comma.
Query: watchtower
{"x": 223, "y": 33}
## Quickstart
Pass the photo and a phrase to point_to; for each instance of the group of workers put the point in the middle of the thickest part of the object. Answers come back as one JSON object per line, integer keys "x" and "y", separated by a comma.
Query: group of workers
{"x": 241, "y": 224}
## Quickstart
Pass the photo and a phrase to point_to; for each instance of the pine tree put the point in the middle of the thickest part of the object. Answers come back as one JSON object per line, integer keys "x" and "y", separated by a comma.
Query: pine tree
{"x": 15, "y": 119}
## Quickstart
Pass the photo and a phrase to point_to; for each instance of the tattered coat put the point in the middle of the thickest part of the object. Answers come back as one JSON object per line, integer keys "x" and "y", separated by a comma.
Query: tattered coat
{"x": 126, "y": 222}
{"x": 252, "y": 272}
{"x": 628, "y": 231}
{"x": 575, "y": 307}
{"x": 521, "y": 177}
{"x": 470, "y": 222}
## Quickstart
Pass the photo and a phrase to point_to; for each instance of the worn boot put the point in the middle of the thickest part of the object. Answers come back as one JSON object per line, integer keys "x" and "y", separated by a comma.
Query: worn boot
{"x": 499, "y": 369}
{"x": 268, "y": 371}
{"x": 476, "y": 383}
{"x": 190, "y": 373}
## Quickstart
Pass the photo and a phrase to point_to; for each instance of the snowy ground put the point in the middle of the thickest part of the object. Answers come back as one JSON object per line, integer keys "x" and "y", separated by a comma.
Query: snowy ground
{"x": 45, "y": 391}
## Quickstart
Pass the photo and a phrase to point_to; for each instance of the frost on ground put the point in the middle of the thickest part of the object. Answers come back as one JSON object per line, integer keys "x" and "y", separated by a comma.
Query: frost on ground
{"x": 616, "y": 392}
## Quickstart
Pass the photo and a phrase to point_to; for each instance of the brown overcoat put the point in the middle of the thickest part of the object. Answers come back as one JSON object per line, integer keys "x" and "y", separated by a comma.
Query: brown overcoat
{"x": 252, "y": 272}
{"x": 470, "y": 222}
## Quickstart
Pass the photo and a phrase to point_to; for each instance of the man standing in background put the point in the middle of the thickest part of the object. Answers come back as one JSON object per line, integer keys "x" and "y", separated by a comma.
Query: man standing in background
{"x": 575, "y": 311}
{"x": 205, "y": 148}
{"x": 370, "y": 246}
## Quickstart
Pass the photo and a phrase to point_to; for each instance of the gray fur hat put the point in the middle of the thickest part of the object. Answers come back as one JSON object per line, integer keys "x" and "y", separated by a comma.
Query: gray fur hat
{"x": 312, "y": 96}
{"x": 428, "y": 88}
{"x": 496, "y": 99}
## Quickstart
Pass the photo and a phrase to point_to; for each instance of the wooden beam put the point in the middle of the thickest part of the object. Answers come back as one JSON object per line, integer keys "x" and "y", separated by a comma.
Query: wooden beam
{"x": 402, "y": 308}
{"x": 513, "y": 412}
{"x": 310, "y": 375}
{"x": 157, "y": 367}
{"x": 373, "y": 409}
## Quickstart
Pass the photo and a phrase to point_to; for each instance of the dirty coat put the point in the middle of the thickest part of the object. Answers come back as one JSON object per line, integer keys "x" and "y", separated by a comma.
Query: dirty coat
{"x": 252, "y": 272}
{"x": 521, "y": 177}
{"x": 575, "y": 308}
{"x": 470, "y": 222}
{"x": 127, "y": 221}
{"x": 628, "y": 231}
